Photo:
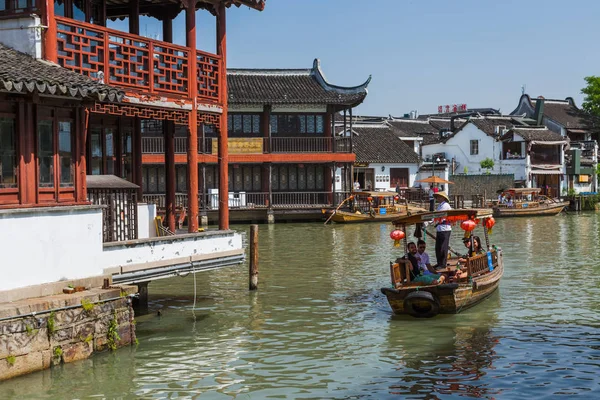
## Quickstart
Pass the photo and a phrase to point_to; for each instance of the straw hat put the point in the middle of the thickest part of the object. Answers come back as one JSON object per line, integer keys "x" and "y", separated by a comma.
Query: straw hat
{"x": 442, "y": 195}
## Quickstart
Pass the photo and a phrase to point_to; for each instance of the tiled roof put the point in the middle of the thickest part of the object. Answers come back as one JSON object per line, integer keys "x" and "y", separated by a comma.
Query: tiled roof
{"x": 256, "y": 4}
{"x": 290, "y": 86}
{"x": 380, "y": 143}
{"x": 489, "y": 125}
{"x": 411, "y": 127}
{"x": 565, "y": 113}
{"x": 540, "y": 134}
{"x": 22, "y": 73}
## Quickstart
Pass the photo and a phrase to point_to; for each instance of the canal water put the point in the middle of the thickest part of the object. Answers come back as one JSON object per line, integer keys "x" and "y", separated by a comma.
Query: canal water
{"x": 319, "y": 327}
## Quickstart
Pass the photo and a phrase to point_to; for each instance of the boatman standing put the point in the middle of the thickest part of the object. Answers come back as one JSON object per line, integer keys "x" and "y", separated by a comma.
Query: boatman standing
{"x": 443, "y": 231}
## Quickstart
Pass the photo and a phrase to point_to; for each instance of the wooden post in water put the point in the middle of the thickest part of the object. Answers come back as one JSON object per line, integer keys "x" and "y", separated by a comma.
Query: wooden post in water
{"x": 253, "y": 269}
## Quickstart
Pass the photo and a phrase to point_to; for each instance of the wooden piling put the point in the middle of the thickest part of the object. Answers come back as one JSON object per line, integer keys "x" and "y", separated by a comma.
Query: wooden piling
{"x": 253, "y": 269}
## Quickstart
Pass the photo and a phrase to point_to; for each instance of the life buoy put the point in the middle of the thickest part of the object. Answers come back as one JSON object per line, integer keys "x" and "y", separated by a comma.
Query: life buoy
{"x": 421, "y": 304}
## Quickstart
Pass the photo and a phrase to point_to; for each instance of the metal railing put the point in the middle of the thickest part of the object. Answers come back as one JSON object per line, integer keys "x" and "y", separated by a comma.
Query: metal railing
{"x": 132, "y": 61}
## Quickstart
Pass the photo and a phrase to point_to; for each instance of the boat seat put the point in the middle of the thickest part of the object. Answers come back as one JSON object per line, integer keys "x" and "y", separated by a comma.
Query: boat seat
{"x": 400, "y": 272}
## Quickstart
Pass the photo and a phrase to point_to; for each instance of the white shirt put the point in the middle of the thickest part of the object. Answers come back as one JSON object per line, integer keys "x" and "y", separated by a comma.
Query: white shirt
{"x": 443, "y": 206}
{"x": 356, "y": 185}
{"x": 423, "y": 261}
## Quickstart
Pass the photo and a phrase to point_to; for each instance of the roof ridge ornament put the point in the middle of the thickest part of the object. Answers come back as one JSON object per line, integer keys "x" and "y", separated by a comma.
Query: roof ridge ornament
{"x": 320, "y": 77}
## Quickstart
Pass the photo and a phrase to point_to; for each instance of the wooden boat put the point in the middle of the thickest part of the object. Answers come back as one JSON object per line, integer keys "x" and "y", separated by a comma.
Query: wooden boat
{"x": 483, "y": 274}
{"x": 527, "y": 202}
{"x": 371, "y": 207}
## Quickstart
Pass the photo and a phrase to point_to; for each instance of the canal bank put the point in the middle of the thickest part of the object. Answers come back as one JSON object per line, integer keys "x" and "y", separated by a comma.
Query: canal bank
{"x": 37, "y": 333}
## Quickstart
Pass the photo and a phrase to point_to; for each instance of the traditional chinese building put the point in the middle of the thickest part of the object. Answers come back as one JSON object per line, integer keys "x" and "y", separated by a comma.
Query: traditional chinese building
{"x": 282, "y": 151}
{"x": 76, "y": 98}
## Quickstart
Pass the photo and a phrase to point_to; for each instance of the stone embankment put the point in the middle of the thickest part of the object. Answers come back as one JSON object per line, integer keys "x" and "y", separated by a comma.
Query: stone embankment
{"x": 40, "y": 332}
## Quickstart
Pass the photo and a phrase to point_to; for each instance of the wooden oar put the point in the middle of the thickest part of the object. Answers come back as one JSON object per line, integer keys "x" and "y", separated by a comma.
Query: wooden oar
{"x": 338, "y": 207}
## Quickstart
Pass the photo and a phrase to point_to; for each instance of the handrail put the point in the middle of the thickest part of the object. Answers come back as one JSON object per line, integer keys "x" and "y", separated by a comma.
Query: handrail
{"x": 133, "y": 61}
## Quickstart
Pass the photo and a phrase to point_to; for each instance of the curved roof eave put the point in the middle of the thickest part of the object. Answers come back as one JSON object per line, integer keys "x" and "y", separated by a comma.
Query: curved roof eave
{"x": 318, "y": 74}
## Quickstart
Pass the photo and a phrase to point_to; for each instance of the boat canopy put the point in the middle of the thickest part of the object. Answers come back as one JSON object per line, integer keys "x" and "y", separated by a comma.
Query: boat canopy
{"x": 461, "y": 214}
{"x": 523, "y": 191}
{"x": 375, "y": 194}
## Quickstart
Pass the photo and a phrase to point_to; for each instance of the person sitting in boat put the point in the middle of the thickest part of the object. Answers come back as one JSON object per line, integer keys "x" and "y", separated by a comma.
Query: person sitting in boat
{"x": 423, "y": 258}
{"x": 509, "y": 202}
{"x": 415, "y": 271}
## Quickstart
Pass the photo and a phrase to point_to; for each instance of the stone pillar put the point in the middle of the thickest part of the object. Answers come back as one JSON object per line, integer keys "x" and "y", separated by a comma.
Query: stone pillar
{"x": 140, "y": 303}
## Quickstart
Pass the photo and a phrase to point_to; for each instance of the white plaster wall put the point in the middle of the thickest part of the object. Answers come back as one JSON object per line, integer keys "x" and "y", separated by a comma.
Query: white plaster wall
{"x": 459, "y": 147}
{"x": 382, "y": 170}
{"x": 164, "y": 249}
{"x": 146, "y": 216}
{"x": 43, "y": 245}
{"x": 23, "y": 34}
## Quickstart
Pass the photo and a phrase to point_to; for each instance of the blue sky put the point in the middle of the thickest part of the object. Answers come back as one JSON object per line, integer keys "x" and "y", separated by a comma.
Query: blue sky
{"x": 421, "y": 53}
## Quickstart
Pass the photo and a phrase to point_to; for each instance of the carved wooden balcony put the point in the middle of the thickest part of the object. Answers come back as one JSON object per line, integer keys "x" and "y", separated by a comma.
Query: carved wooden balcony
{"x": 135, "y": 63}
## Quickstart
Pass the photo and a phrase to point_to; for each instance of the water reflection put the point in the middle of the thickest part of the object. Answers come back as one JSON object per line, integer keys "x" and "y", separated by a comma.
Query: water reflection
{"x": 318, "y": 327}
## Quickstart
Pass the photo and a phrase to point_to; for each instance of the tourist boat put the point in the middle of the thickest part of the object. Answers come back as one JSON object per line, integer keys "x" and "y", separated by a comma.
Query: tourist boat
{"x": 371, "y": 207}
{"x": 527, "y": 202}
{"x": 483, "y": 271}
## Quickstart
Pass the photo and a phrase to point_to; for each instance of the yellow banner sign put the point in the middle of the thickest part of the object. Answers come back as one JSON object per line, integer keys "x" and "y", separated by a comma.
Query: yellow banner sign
{"x": 241, "y": 146}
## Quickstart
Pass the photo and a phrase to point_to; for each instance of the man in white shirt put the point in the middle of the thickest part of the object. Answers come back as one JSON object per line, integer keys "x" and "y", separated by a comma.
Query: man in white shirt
{"x": 431, "y": 201}
{"x": 443, "y": 231}
{"x": 356, "y": 186}
{"x": 423, "y": 258}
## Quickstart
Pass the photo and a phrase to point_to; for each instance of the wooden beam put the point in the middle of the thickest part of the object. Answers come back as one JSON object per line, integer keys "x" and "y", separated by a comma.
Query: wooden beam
{"x": 134, "y": 17}
{"x": 137, "y": 156}
{"x": 167, "y": 26}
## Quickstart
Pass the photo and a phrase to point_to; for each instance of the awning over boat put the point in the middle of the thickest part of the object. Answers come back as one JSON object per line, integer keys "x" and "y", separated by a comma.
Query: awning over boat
{"x": 546, "y": 172}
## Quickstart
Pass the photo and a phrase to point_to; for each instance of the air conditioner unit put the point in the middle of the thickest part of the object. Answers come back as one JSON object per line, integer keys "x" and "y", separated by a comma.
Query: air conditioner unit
{"x": 213, "y": 198}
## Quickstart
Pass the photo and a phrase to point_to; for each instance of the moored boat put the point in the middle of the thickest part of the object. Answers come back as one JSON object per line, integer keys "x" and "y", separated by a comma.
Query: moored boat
{"x": 371, "y": 207}
{"x": 527, "y": 202}
{"x": 463, "y": 285}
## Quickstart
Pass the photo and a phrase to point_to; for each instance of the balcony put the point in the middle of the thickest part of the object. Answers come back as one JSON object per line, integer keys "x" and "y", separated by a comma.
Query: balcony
{"x": 136, "y": 63}
{"x": 155, "y": 145}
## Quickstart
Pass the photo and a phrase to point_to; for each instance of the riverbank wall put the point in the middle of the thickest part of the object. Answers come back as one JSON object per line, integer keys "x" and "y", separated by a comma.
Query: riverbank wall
{"x": 38, "y": 333}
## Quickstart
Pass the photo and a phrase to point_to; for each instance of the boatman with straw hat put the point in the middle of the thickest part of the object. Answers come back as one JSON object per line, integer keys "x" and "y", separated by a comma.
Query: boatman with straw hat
{"x": 443, "y": 231}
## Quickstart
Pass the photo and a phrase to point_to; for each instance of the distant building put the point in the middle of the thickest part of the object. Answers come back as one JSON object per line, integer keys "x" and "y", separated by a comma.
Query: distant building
{"x": 383, "y": 158}
{"x": 582, "y": 131}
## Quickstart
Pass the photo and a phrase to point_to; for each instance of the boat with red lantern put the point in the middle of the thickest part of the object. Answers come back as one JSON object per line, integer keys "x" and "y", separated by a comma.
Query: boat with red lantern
{"x": 371, "y": 206}
{"x": 464, "y": 282}
{"x": 526, "y": 202}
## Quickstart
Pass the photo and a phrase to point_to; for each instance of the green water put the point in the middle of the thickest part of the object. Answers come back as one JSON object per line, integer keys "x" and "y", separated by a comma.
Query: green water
{"x": 318, "y": 327}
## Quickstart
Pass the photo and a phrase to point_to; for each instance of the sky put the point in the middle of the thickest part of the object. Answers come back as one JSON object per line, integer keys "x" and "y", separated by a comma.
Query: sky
{"x": 420, "y": 53}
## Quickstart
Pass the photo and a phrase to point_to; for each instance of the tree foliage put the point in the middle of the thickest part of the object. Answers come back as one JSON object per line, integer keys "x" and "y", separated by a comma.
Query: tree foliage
{"x": 591, "y": 102}
{"x": 488, "y": 163}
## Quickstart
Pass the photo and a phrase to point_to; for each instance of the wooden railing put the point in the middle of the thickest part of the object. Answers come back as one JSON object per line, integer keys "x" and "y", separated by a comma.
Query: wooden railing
{"x": 478, "y": 265}
{"x": 247, "y": 200}
{"x": 134, "y": 62}
{"x": 155, "y": 145}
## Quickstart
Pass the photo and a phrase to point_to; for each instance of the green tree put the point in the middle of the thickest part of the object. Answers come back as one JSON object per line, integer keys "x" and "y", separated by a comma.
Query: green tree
{"x": 591, "y": 103}
{"x": 488, "y": 164}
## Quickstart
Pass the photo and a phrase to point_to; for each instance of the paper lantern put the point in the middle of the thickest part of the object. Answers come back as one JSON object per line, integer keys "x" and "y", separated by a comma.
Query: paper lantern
{"x": 397, "y": 235}
{"x": 468, "y": 226}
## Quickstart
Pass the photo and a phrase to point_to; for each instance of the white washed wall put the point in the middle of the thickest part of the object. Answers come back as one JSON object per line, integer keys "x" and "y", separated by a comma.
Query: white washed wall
{"x": 146, "y": 215}
{"x": 45, "y": 245}
{"x": 459, "y": 147}
{"x": 23, "y": 34}
{"x": 168, "y": 248}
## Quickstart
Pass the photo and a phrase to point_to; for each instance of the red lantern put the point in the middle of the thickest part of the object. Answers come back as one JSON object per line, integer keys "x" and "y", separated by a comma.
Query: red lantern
{"x": 369, "y": 198}
{"x": 397, "y": 235}
{"x": 396, "y": 198}
{"x": 468, "y": 226}
{"x": 489, "y": 224}
{"x": 351, "y": 198}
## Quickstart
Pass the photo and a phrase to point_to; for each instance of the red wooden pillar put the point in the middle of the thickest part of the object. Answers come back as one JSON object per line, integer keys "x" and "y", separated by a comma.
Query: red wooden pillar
{"x": 169, "y": 137}
{"x": 81, "y": 122}
{"x": 192, "y": 155}
{"x": 50, "y": 42}
{"x": 134, "y": 17}
{"x": 223, "y": 144}
{"x": 137, "y": 156}
{"x": 329, "y": 183}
